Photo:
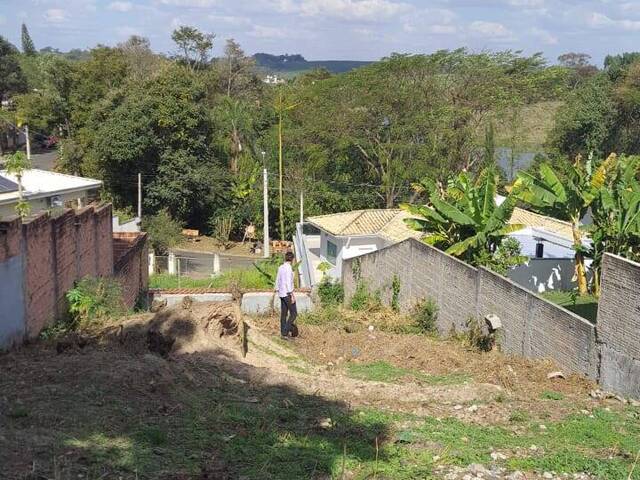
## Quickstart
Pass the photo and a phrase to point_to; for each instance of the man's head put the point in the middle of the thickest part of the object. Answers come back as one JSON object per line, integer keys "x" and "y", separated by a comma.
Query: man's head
{"x": 288, "y": 257}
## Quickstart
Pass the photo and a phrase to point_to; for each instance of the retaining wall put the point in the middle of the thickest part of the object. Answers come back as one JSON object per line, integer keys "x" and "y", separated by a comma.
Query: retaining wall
{"x": 619, "y": 326}
{"x": 532, "y": 326}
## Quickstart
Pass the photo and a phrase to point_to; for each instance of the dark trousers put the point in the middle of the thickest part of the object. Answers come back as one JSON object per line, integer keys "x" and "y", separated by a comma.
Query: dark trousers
{"x": 287, "y": 308}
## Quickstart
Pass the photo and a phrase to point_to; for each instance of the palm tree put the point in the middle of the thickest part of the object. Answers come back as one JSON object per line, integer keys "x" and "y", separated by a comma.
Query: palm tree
{"x": 16, "y": 164}
{"x": 464, "y": 218}
{"x": 569, "y": 198}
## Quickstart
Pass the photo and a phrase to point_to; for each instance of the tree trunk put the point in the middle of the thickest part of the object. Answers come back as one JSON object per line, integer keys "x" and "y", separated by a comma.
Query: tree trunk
{"x": 581, "y": 272}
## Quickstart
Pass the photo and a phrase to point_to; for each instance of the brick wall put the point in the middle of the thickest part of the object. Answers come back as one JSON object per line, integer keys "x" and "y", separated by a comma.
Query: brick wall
{"x": 619, "y": 325}
{"x": 131, "y": 264}
{"x": 533, "y": 327}
{"x": 42, "y": 257}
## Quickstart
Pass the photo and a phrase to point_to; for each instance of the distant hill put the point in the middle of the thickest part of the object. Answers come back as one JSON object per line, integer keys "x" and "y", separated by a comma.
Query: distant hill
{"x": 297, "y": 63}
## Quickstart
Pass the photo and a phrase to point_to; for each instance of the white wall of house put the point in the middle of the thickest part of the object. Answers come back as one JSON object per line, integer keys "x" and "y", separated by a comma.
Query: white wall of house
{"x": 43, "y": 203}
{"x": 336, "y": 249}
{"x": 543, "y": 275}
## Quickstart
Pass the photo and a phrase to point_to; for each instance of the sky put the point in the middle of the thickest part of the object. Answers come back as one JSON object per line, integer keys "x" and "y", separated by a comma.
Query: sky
{"x": 338, "y": 29}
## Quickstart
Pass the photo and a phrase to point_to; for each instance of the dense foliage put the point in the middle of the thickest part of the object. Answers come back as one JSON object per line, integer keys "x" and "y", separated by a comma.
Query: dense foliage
{"x": 196, "y": 127}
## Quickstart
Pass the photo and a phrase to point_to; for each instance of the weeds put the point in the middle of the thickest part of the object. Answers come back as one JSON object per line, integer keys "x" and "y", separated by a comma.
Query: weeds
{"x": 395, "y": 294}
{"x": 363, "y": 299}
{"x": 382, "y": 371}
{"x": 330, "y": 292}
{"x": 425, "y": 316}
{"x": 551, "y": 395}
{"x": 93, "y": 300}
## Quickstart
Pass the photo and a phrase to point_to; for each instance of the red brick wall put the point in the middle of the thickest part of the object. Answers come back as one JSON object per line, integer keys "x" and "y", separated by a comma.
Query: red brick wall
{"x": 131, "y": 264}
{"x": 104, "y": 243}
{"x": 40, "y": 279}
{"x": 86, "y": 250}
{"x": 10, "y": 237}
{"x": 57, "y": 252}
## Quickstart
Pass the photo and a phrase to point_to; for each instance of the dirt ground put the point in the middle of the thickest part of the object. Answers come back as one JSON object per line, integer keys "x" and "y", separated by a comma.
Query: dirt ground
{"x": 171, "y": 396}
{"x": 210, "y": 245}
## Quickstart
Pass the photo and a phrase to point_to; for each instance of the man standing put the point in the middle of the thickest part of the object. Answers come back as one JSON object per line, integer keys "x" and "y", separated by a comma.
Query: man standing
{"x": 284, "y": 287}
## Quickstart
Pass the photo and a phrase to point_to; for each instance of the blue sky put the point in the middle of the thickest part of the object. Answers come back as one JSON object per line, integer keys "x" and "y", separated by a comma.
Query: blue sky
{"x": 338, "y": 29}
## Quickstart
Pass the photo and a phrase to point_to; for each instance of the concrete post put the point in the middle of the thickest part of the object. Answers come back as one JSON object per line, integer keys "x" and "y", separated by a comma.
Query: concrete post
{"x": 216, "y": 264}
{"x": 152, "y": 262}
{"x": 172, "y": 263}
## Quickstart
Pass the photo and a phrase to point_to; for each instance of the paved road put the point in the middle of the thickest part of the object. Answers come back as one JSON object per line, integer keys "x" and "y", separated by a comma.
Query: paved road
{"x": 44, "y": 160}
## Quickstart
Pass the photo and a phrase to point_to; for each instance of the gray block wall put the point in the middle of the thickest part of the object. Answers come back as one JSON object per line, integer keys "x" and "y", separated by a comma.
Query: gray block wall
{"x": 619, "y": 326}
{"x": 533, "y": 327}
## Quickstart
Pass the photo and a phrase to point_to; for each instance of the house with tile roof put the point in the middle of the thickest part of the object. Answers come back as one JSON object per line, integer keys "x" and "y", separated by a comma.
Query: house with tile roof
{"x": 548, "y": 242}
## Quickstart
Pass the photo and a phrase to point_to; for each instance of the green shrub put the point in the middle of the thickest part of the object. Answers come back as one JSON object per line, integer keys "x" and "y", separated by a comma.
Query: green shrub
{"x": 164, "y": 232}
{"x": 425, "y": 315}
{"x": 395, "y": 294}
{"x": 363, "y": 299}
{"x": 93, "y": 300}
{"x": 330, "y": 292}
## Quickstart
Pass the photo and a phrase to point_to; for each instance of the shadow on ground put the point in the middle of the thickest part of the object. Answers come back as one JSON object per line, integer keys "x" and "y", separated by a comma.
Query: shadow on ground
{"x": 113, "y": 410}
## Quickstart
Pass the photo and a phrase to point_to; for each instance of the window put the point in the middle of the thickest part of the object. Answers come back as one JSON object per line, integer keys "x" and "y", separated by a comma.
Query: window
{"x": 332, "y": 252}
{"x": 539, "y": 250}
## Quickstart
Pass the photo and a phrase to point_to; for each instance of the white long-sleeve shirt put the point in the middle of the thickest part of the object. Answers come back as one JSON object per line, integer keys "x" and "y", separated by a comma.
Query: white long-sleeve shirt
{"x": 284, "y": 280}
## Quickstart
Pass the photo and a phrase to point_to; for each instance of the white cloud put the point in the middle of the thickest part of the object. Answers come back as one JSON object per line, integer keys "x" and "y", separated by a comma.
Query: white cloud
{"x": 527, "y": 3}
{"x": 490, "y": 29}
{"x": 55, "y": 15}
{"x": 125, "y": 31}
{"x": 442, "y": 29}
{"x": 345, "y": 9}
{"x": 229, "y": 19}
{"x": 120, "y": 6}
{"x": 261, "y": 31}
{"x": 190, "y": 3}
{"x": 544, "y": 36}
{"x": 599, "y": 20}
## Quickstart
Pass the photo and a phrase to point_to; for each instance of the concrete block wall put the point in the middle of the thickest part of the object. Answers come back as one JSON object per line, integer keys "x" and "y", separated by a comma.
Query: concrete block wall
{"x": 533, "y": 327}
{"x": 41, "y": 258}
{"x": 619, "y": 325}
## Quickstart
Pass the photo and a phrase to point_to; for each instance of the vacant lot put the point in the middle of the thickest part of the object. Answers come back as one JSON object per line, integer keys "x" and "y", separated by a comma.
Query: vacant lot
{"x": 341, "y": 401}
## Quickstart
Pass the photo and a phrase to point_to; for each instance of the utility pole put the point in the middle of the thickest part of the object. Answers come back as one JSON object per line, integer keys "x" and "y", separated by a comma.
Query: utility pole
{"x": 265, "y": 212}
{"x": 301, "y": 207}
{"x": 280, "y": 166}
{"x": 26, "y": 133}
{"x": 140, "y": 197}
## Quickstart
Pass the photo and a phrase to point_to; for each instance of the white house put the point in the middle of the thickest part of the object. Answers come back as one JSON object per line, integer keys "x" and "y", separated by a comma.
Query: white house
{"x": 337, "y": 237}
{"x": 547, "y": 242}
{"x": 45, "y": 190}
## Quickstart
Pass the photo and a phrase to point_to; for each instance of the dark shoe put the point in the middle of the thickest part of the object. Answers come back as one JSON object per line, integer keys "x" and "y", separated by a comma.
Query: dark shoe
{"x": 294, "y": 330}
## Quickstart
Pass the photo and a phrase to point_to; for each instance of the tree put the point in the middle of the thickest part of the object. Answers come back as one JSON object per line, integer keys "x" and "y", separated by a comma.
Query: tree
{"x": 569, "y": 200}
{"x": 581, "y": 65}
{"x": 142, "y": 62}
{"x": 28, "y": 48}
{"x": 194, "y": 46}
{"x": 282, "y": 106}
{"x": 16, "y": 164}
{"x": 164, "y": 232}
{"x": 464, "y": 219}
{"x": 235, "y": 70}
{"x": 12, "y": 79}
{"x": 585, "y": 123}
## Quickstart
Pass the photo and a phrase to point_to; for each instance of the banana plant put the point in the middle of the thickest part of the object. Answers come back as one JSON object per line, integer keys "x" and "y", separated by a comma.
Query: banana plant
{"x": 464, "y": 219}
{"x": 616, "y": 217}
{"x": 569, "y": 198}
